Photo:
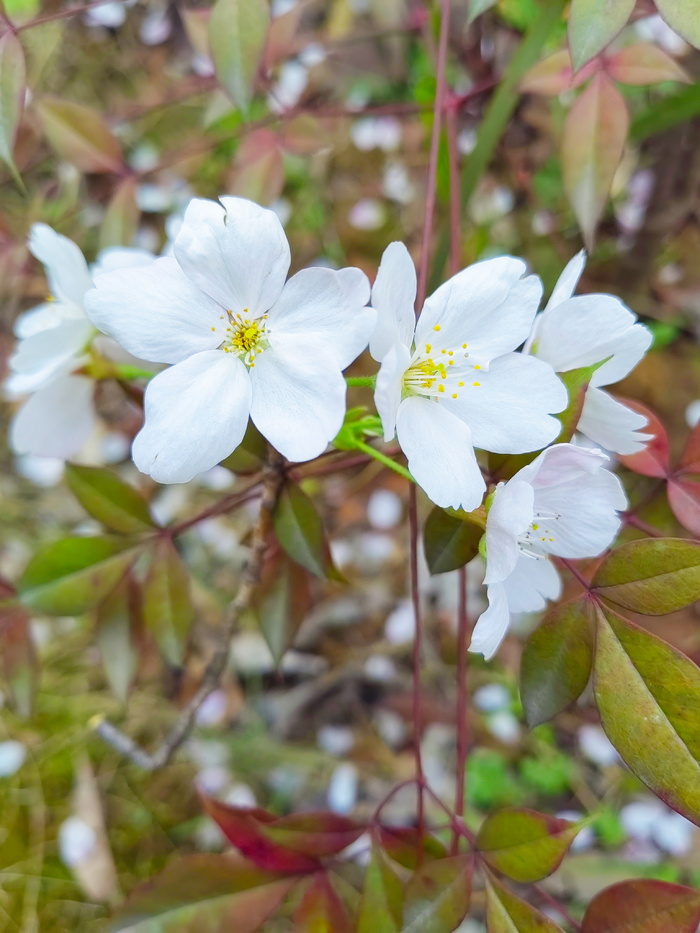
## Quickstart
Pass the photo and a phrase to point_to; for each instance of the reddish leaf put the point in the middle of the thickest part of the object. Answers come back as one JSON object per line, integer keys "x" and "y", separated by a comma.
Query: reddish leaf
{"x": 299, "y": 530}
{"x": 654, "y": 459}
{"x": 592, "y": 145}
{"x": 283, "y": 602}
{"x": 403, "y": 843}
{"x": 684, "y": 499}
{"x": 13, "y": 87}
{"x": 113, "y": 637}
{"x": 18, "y": 660}
{"x": 80, "y": 135}
{"x": 648, "y": 695}
{"x": 438, "y": 895}
{"x": 204, "y": 892}
{"x": 690, "y": 458}
{"x": 288, "y": 843}
{"x": 652, "y": 576}
{"x": 554, "y": 75}
{"x": 643, "y": 906}
{"x": 258, "y": 170}
{"x": 525, "y": 845}
{"x": 556, "y": 661}
{"x": 645, "y": 64}
{"x": 321, "y": 910}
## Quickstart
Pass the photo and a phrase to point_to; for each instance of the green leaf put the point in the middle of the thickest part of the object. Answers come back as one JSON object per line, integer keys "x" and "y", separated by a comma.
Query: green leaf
{"x": 450, "y": 542}
{"x": 437, "y": 895}
{"x": 106, "y": 497}
{"x": 506, "y": 913}
{"x": 576, "y": 382}
{"x": 525, "y": 845}
{"x": 477, "y": 7}
{"x": 593, "y": 24}
{"x": 381, "y": 907}
{"x": 556, "y": 661}
{"x": 283, "y": 604}
{"x": 72, "y": 575}
{"x": 644, "y": 64}
{"x": 648, "y": 695}
{"x": 167, "y": 609}
{"x": 13, "y": 78}
{"x": 592, "y": 144}
{"x": 683, "y": 16}
{"x": 321, "y": 910}
{"x": 652, "y": 576}
{"x": 250, "y": 453}
{"x": 643, "y": 906}
{"x": 80, "y": 136}
{"x": 113, "y": 637}
{"x": 665, "y": 113}
{"x": 237, "y": 33}
{"x": 300, "y": 531}
{"x": 203, "y": 892}
{"x": 121, "y": 217}
{"x": 404, "y": 844}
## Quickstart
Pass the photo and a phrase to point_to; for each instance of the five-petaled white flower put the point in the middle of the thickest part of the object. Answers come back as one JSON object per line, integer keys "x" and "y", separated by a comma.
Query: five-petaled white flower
{"x": 451, "y": 382}
{"x": 573, "y": 332}
{"x": 564, "y": 504}
{"x": 241, "y": 340}
{"x": 54, "y": 339}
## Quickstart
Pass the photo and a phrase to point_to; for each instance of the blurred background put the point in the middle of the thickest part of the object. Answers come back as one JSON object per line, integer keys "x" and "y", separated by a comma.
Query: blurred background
{"x": 125, "y": 119}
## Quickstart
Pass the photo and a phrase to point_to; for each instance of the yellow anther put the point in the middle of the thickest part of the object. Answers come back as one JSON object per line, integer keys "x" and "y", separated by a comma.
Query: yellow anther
{"x": 452, "y": 362}
{"x": 454, "y": 395}
{"x": 461, "y": 383}
{"x": 428, "y": 348}
{"x": 451, "y": 353}
{"x": 464, "y": 346}
{"x": 441, "y": 388}
{"x": 477, "y": 383}
{"x": 443, "y": 351}
{"x": 535, "y": 527}
{"x": 476, "y": 366}
{"x": 437, "y": 327}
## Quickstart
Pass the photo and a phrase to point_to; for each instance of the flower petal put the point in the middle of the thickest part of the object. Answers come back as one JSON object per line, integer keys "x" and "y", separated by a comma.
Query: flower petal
{"x": 155, "y": 312}
{"x": 509, "y": 516}
{"x": 43, "y": 317}
{"x": 627, "y": 354}
{"x": 492, "y": 624}
{"x": 57, "y": 420}
{"x": 120, "y": 257}
{"x": 509, "y": 410}
{"x": 440, "y": 454}
{"x": 50, "y": 350}
{"x": 462, "y": 306}
{"x": 235, "y": 251}
{"x": 583, "y": 331}
{"x": 611, "y": 424}
{"x": 328, "y": 306}
{"x": 298, "y": 398}
{"x": 532, "y": 582}
{"x": 66, "y": 268}
{"x": 568, "y": 280}
{"x": 394, "y": 297}
{"x": 196, "y": 415}
{"x": 389, "y": 386}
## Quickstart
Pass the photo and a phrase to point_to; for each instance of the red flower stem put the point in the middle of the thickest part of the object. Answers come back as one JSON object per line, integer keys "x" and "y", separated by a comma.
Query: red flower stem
{"x": 554, "y": 903}
{"x": 455, "y": 207}
{"x": 431, "y": 195}
{"x": 576, "y": 573}
{"x": 417, "y": 646}
{"x": 463, "y": 735}
{"x": 631, "y": 519}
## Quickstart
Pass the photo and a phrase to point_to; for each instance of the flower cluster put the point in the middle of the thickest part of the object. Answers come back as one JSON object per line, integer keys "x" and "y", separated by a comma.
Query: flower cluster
{"x": 477, "y": 369}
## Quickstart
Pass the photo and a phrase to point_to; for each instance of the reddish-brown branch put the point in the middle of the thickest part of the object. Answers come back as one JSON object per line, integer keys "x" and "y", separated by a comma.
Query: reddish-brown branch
{"x": 574, "y": 571}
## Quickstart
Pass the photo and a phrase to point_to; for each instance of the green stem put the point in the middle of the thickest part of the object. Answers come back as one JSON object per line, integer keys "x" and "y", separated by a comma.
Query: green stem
{"x": 360, "y": 381}
{"x": 126, "y": 371}
{"x": 497, "y": 115}
{"x": 382, "y": 458}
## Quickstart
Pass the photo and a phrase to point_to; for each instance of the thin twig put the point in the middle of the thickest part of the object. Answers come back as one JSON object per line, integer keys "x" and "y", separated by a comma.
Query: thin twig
{"x": 273, "y": 478}
{"x": 554, "y": 903}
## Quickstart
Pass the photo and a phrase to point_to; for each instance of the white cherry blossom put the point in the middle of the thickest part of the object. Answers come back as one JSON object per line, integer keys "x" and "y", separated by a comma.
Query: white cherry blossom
{"x": 573, "y": 332}
{"x": 54, "y": 339}
{"x": 451, "y": 382}
{"x": 241, "y": 341}
{"x": 562, "y": 504}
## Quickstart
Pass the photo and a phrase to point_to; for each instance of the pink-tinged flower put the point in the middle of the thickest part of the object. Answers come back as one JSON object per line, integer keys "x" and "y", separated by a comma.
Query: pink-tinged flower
{"x": 451, "y": 382}
{"x": 562, "y": 504}
{"x": 242, "y": 341}
{"x": 573, "y": 332}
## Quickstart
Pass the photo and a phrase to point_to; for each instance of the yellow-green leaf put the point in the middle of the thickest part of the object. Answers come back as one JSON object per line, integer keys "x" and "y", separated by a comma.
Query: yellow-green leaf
{"x": 525, "y": 845}
{"x": 167, "y": 609}
{"x": 237, "y": 33}
{"x": 593, "y": 24}
{"x": 13, "y": 75}
{"x": 79, "y": 135}
{"x": 110, "y": 500}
